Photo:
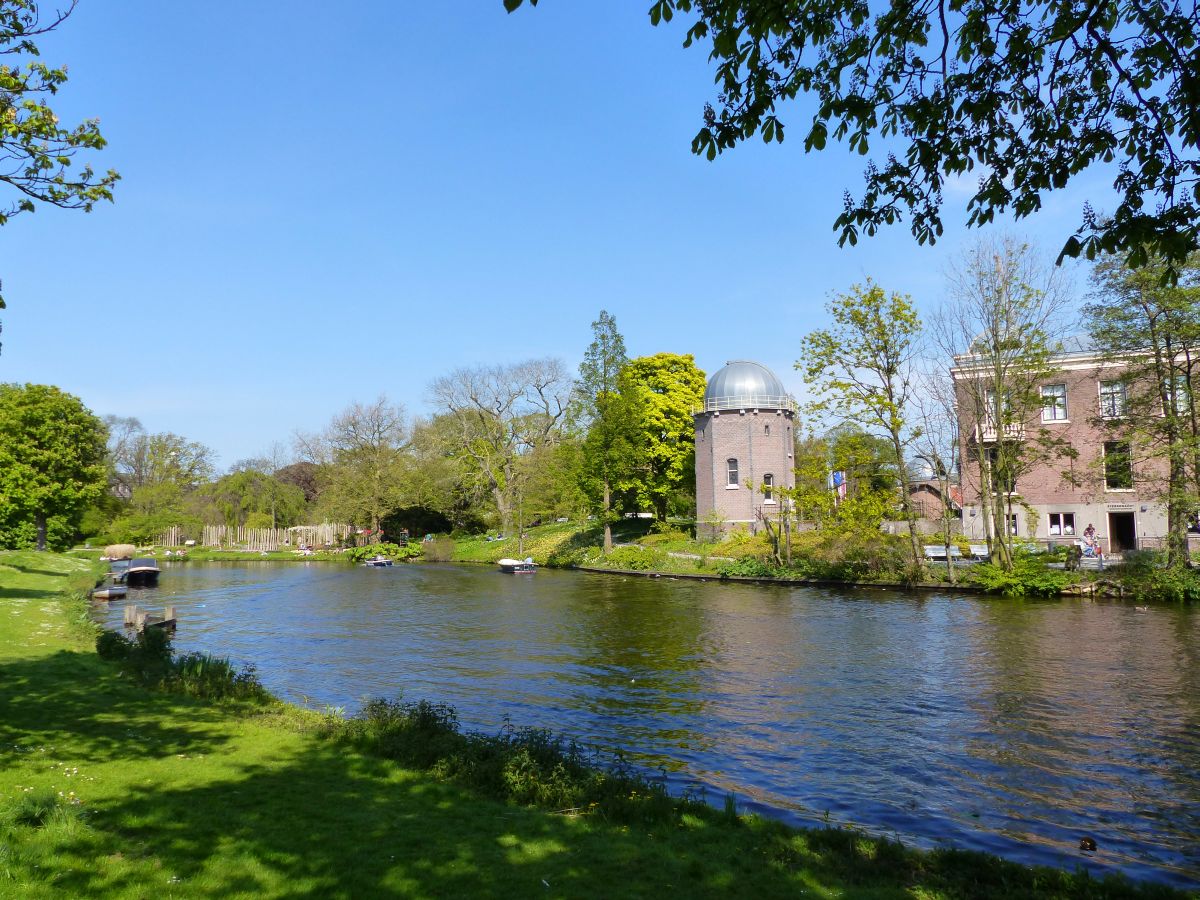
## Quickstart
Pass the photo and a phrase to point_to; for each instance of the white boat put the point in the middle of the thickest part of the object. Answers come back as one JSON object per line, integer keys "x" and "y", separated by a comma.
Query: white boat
{"x": 377, "y": 562}
{"x": 517, "y": 566}
{"x": 114, "y": 592}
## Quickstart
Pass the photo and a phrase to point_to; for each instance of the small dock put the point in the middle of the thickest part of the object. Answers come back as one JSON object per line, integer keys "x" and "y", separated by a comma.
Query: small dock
{"x": 139, "y": 619}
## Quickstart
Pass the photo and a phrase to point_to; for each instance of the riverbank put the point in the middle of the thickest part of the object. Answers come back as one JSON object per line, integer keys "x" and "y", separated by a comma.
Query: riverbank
{"x": 638, "y": 551}
{"x": 109, "y": 789}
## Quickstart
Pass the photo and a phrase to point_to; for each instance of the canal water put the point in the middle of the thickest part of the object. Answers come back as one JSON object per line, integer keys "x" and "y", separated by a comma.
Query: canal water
{"x": 1015, "y": 728}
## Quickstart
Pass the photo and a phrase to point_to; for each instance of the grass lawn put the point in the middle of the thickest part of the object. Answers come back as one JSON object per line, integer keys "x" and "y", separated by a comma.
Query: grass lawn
{"x": 108, "y": 789}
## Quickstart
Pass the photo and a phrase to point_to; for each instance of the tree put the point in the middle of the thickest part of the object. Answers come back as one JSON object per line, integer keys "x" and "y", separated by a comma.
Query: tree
{"x": 668, "y": 388}
{"x": 51, "y": 461}
{"x": 860, "y": 370}
{"x": 1153, "y": 331}
{"x": 502, "y": 413}
{"x": 1003, "y": 325}
{"x": 1029, "y": 95}
{"x": 36, "y": 151}
{"x": 361, "y": 453}
{"x": 611, "y": 416}
{"x": 937, "y": 447}
{"x": 252, "y": 494}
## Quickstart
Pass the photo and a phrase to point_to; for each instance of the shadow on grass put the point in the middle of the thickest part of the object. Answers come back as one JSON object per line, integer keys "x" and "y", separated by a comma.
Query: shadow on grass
{"x": 79, "y": 703}
{"x": 9, "y": 593}
{"x": 324, "y": 823}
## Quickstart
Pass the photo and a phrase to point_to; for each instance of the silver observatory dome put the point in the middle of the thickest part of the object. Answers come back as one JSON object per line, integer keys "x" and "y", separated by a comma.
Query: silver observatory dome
{"x": 743, "y": 384}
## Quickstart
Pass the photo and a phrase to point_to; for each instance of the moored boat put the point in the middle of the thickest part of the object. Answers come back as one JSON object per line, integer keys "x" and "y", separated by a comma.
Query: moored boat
{"x": 517, "y": 566}
{"x": 377, "y": 562}
{"x": 142, "y": 572}
{"x": 113, "y": 592}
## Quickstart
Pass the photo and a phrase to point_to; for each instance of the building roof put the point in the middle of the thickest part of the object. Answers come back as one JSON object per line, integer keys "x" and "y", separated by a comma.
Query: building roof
{"x": 743, "y": 384}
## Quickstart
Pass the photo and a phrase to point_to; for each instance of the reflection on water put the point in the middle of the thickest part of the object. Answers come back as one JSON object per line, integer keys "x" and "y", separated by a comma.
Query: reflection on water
{"x": 1009, "y": 727}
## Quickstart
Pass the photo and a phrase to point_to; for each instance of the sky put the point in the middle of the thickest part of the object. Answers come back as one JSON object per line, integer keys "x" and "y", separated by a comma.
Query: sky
{"x": 321, "y": 203}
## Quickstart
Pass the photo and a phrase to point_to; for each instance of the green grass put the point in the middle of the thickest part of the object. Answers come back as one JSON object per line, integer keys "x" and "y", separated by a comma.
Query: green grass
{"x": 108, "y": 789}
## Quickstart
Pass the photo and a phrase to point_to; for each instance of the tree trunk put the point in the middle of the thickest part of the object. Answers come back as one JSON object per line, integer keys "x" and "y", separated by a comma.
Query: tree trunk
{"x": 906, "y": 508}
{"x": 41, "y": 532}
{"x": 607, "y": 521}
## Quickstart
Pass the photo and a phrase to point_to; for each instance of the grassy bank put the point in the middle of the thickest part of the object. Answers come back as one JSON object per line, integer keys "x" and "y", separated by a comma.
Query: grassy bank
{"x": 110, "y": 789}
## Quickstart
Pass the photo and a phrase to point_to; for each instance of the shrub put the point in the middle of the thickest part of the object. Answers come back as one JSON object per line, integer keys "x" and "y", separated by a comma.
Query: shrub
{"x": 530, "y": 766}
{"x": 149, "y": 658}
{"x": 849, "y": 555}
{"x": 440, "y": 549}
{"x": 391, "y": 551}
{"x": 1029, "y": 578}
{"x": 634, "y": 559}
{"x": 214, "y": 678}
{"x": 656, "y": 539}
{"x": 567, "y": 558}
{"x": 746, "y": 567}
{"x": 1143, "y": 574}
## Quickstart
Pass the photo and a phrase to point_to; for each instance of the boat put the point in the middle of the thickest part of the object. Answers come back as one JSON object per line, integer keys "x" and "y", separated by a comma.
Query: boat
{"x": 524, "y": 566}
{"x": 142, "y": 572}
{"x": 118, "y": 569}
{"x": 377, "y": 562}
{"x": 114, "y": 592}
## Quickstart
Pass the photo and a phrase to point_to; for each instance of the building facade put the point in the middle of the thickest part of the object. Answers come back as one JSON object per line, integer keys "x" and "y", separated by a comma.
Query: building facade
{"x": 745, "y": 445}
{"x": 1089, "y": 474}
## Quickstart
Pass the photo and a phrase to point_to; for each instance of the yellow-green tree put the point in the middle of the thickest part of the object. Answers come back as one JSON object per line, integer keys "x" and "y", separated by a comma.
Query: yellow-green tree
{"x": 668, "y": 388}
{"x": 860, "y": 370}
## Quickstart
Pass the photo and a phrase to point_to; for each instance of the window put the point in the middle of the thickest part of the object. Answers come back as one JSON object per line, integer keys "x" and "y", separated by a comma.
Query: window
{"x": 767, "y": 430}
{"x": 1002, "y": 478}
{"x": 1062, "y": 523}
{"x": 1054, "y": 403}
{"x": 1118, "y": 466}
{"x": 768, "y": 485}
{"x": 1012, "y": 524}
{"x": 1178, "y": 389}
{"x": 732, "y": 467}
{"x": 1113, "y": 400}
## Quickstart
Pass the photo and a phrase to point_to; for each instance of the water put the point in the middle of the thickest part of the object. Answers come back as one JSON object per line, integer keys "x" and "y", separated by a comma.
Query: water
{"x": 1010, "y": 727}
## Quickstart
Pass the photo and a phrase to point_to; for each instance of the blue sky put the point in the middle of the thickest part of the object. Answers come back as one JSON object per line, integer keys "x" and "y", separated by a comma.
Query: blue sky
{"x": 325, "y": 202}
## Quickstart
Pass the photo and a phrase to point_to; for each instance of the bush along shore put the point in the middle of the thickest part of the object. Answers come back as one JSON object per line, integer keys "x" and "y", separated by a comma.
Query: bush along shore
{"x": 861, "y": 559}
{"x": 138, "y": 772}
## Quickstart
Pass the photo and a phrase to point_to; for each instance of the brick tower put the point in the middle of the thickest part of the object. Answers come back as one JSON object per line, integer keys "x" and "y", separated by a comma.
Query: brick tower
{"x": 743, "y": 436}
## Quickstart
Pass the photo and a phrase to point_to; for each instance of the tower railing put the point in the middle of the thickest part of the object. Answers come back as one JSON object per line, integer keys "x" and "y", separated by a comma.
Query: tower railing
{"x": 751, "y": 401}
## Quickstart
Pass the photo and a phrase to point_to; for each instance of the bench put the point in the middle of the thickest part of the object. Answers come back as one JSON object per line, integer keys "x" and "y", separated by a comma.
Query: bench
{"x": 938, "y": 552}
{"x": 979, "y": 552}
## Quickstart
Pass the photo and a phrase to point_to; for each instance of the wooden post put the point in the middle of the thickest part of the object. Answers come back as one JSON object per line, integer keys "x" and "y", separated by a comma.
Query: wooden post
{"x": 169, "y": 613}
{"x": 141, "y": 619}
{"x": 131, "y": 612}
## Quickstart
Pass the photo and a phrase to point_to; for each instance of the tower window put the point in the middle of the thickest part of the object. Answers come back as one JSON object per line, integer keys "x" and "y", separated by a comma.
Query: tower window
{"x": 767, "y": 430}
{"x": 768, "y": 488}
{"x": 731, "y": 466}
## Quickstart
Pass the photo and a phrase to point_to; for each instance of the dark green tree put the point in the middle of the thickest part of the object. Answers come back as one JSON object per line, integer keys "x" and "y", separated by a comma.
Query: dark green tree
{"x": 52, "y": 462}
{"x": 611, "y": 418}
{"x": 1027, "y": 95}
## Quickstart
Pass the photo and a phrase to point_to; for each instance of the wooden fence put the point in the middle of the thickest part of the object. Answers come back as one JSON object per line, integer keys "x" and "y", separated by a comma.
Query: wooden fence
{"x": 257, "y": 539}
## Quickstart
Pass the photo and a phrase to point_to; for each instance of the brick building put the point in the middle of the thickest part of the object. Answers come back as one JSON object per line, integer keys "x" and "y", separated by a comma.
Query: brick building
{"x": 1105, "y": 484}
{"x": 744, "y": 435}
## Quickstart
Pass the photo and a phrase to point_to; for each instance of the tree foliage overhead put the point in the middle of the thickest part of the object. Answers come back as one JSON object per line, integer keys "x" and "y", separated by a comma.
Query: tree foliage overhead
{"x": 36, "y": 150}
{"x": 1027, "y": 95}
